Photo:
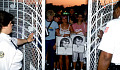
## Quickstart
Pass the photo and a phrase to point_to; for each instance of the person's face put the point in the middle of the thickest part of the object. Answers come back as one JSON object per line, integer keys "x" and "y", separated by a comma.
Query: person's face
{"x": 50, "y": 18}
{"x": 117, "y": 13}
{"x": 65, "y": 44}
{"x": 56, "y": 19}
{"x": 71, "y": 11}
{"x": 78, "y": 42}
{"x": 80, "y": 18}
{"x": 64, "y": 20}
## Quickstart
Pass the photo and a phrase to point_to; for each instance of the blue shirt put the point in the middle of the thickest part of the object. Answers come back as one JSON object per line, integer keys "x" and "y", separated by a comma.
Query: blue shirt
{"x": 51, "y": 29}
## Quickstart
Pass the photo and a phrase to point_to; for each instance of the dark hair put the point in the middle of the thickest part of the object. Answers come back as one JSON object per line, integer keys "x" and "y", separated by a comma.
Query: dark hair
{"x": 80, "y": 14}
{"x": 77, "y": 37}
{"x": 64, "y": 16}
{"x": 64, "y": 39}
{"x": 73, "y": 19}
{"x": 115, "y": 7}
{"x": 5, "y": 18}
{"x": 57, "y": 15}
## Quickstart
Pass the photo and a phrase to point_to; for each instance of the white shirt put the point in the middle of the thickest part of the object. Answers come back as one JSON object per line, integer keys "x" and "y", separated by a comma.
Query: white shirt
{"x": 10, "y": 57}
{"x": 62, "y": 31}
{"x": 111, "y": 40}
{"x": 103, "y": 28}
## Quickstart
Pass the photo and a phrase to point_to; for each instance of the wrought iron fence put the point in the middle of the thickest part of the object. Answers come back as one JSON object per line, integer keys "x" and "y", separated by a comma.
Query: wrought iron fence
{"x": 99, "y": 12}
{"x": 29, "y": 18}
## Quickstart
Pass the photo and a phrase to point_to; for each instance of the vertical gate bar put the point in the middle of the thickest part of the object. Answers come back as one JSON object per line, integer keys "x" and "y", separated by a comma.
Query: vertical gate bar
{"x": 89, "y": 33}
{"x": 43, "y": 34}
{"x": 96, "y": 35}
{"x": 101, "y": 20}
{"x": 32, "y": 21}
{"x": 36, "y": 23}
{"x": 3, "y": 4}
{"x": 8, "y": 6}
{"x": 37, "y": 35}
{"x": 14, "y": 3}
{"x": 23, "y": 34}
{"x": 37, "y": 29}
{"x": 17, "y": 18}
{"x": 112, "y": 11}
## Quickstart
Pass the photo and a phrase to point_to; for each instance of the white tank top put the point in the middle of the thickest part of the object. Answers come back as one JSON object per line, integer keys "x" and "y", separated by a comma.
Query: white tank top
{"x": 62, "y": 31}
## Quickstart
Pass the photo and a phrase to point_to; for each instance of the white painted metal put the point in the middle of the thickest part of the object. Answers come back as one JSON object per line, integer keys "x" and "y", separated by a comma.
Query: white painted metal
{"x": 43, "y": 35}
{"x": 29, "y": 17}
{"x": 99, "y": 12}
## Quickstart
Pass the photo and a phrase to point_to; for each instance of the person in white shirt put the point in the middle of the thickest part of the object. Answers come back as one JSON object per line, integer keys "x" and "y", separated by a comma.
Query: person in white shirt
{"x": 110, "y": 43}
{"x": 10, "y": 55}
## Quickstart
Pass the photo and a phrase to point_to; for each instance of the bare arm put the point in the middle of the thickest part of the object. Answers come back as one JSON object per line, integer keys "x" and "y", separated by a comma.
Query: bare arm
{"x": 71, "y": 29}
{"x": 85, "y": 34}
{"x": 101, "y": 34}
{"x": 57, "y": 32}
{"x": 22, "y": 41}
{"x": 104, "y": 60}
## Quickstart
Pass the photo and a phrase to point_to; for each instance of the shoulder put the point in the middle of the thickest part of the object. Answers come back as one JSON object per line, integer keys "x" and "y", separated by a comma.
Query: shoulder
{"x": 84, "y": 23}
{"x": 113, "y": 22}
{"x": 4, "y": 45}
{"x": 74, "y": 24}
{"x": 54, "y": 22}
{"x": 46, "y": 21}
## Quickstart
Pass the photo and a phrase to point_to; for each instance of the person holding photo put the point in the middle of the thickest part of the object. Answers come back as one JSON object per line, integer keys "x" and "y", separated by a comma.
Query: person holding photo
{"x": 65, "y": 31}
{"x": 80, "y": 27}
{"x": 77, "y": 46}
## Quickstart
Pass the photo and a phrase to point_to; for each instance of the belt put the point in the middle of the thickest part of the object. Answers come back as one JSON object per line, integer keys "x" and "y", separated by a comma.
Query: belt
{"x": 114, "y": 67}
{"x": 117, "y": 63}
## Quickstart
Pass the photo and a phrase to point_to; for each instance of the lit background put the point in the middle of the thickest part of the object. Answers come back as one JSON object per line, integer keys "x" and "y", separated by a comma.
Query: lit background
{"x": 67, "y": 3}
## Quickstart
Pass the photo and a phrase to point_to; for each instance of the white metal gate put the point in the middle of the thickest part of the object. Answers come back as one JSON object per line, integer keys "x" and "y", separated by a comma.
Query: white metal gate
{"x": 29, "y": 17}
{"x": 99, "y": 12}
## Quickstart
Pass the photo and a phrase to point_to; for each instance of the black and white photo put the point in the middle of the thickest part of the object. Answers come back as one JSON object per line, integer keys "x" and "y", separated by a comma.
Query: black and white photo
{"x": 78, "y": 43}
{"x": 64, "y": 46}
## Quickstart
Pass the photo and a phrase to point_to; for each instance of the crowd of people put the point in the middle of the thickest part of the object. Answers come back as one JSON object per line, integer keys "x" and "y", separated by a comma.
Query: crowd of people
{"x": 63, "y": 25}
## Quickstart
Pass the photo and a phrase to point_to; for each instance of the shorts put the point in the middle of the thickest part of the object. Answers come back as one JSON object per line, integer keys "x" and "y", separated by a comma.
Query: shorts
{"x": 75, "y": 56}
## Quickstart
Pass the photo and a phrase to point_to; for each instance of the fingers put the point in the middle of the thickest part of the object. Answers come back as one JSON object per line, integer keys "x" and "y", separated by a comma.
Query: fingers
{"x": 30, "y": 37}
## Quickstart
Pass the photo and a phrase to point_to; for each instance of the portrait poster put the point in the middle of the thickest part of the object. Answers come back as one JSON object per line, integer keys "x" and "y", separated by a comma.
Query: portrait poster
{"x": 78, "y": 42}
{"x": 63, "y": 45}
